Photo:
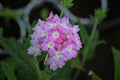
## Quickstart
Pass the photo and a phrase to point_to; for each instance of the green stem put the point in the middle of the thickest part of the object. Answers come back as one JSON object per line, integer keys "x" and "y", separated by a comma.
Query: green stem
{"x": 61, "y": 14}
{"x": 86, "y": 51}
{"x": 82, "y": 63}
{"x": 45, "y": 59}
{"x": 93, "y": 32}
{"x": 37, "y": 68}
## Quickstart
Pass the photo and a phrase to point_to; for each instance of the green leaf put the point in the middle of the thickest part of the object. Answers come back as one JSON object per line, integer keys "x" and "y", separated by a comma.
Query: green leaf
{"x": 91, "y": 47}
{"x": 83, "y": 34}
{"x": 42, "y": 56}
{"x": 26, "y": 43}
{"x": 100, "y": 15}
{"x": 101, "y": 42}
{"x": 22, "y": 60}
{"x": 2, "y": 75}
{"x": 94, "y": 40}
{"x": 96, "y": 77}
{"x": 90, "y": 43}
{"x": 67, "y": 3}
{"x": 34, "y": 23}
{"x": 72, "y": 22}
{"x": 116, "y": 55}
{"x": 1, "y": 31}
{"x": 44, "y": 13}
{"x": 75, "y": 63}
{"x": 63, "y": 73}
{"x": 8, "y": 71}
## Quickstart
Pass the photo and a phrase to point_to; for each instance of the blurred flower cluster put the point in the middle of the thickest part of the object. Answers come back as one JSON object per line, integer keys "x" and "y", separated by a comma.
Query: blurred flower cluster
{"x": 58, "y": 37}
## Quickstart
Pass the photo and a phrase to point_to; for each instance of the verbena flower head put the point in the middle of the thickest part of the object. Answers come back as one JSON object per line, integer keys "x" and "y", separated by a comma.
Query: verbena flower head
{"x": 58, "y": 38}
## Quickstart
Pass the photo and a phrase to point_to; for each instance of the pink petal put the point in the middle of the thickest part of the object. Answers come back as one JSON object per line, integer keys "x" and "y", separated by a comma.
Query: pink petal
{"x": 58, "y": 46}
{"x": 62, "y": 35}
{"x": 51, "y": 52}
{"x": 65, "y": 44}
{"x": 58, "y": 40}
{"x": 44, "y": 47}
{"x": 50, "y": 17}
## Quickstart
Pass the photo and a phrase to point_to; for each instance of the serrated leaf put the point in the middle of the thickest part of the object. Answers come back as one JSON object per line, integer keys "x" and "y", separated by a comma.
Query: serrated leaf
{"x": 116, "y": 55}
{"x": 67, "y": 3}
{"x": 8, "y": 71}
{"x": 21, "y": 52}
{"x": 21, "y": 58}
{"x": 100, "y": 15}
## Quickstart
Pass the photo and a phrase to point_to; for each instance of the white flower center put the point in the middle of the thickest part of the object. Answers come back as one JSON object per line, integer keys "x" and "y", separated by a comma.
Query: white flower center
{"x": 63, "y": 25}
{"x": 58, "y": 54}
{"x": 50, "y": 45}
{"x": 69, "y": 48}
{"x": 77, "y": 42}
{"x": 74, "y": 30}
{"x": 52, "y": 25}
{"x": 55, "y": 34}
{"x": 68, "y": 36}
{"x": 36, "y": 47}
{"x": 44, "y": 33}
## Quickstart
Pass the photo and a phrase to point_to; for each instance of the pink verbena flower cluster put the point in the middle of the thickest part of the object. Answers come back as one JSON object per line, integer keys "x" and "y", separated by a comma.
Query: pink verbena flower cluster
{"x": 58, "y": 37}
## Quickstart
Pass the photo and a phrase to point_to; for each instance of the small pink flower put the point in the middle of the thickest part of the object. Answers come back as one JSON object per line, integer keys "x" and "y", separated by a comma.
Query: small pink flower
{"x": 34, "y": 50}
{"x": 51, "y": 52}
{"x": 44, "y": 47}
{"x": 75, "y": 29}
{"x": 56, "y": 61}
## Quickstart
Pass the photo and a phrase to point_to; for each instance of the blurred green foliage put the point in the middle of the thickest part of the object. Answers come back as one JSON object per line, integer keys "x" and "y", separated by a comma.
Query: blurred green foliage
{"x": 91, "y": 41}
{"x": 96, "y": 77}
{"x": 67, "y": 3}
{"x": 24, "y": 64}
{"x": 9, "y": 73}
{"x": 116, "y": 55}
{"x": 44, "y": 13}
{"x": 1, "y": 31}
{"x": 9, "y": 14}
{"x": 98, "y": 17}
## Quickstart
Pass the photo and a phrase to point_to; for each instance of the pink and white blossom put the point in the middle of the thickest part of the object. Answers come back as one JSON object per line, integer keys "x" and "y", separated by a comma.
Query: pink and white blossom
{"x": 58, "y": 38}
